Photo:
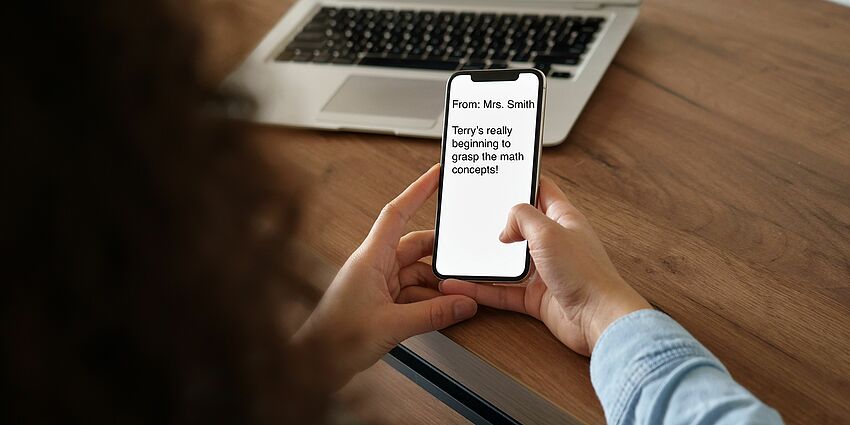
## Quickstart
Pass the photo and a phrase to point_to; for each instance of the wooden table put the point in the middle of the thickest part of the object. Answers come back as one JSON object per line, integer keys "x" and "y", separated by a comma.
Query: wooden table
{"x": 714, "y": 162}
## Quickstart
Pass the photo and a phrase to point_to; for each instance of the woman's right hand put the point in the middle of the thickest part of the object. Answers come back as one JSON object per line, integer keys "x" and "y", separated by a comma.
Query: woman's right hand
{"x": 575, "y": 289}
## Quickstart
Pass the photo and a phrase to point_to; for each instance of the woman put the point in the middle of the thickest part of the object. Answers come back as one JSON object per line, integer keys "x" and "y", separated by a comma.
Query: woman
{"x": 149, "y": 273}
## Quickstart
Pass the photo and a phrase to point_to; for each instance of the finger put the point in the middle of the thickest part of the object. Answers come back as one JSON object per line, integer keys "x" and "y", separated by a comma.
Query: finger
{"x": 554, "y": 202}
{"x": 389, "y": 226}
{"x": 524, "y": 221}
{"x": 430, "y": 315}
{"x": 418, "y": 274}
{"x": 550, "y": 193}
{"x": 413, "y": 294}
{"x": 415, "y": 245}
{"x": 502, "y": 297}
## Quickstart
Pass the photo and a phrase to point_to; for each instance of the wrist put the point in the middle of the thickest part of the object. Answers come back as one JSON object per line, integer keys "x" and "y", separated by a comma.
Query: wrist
{"x": 324, "y": 337}
{"x": 612, "y": 302}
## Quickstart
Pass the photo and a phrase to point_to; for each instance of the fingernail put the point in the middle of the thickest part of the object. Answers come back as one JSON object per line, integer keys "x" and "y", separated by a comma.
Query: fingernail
{"x": 440, "y": 286}
{"x": 464, "y": 309}
{"x": 443, "y": 282}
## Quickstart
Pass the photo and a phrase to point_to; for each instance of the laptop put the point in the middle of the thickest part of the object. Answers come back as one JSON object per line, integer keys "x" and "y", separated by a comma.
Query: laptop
{"x": 381, "y": 66}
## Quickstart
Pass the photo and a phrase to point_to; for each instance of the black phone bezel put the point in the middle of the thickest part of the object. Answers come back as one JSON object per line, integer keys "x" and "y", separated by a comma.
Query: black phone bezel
{"x": 485, "y": 76}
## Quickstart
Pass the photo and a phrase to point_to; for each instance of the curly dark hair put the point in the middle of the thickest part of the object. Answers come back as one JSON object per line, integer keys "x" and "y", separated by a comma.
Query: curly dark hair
{"x": 146, "y": 265}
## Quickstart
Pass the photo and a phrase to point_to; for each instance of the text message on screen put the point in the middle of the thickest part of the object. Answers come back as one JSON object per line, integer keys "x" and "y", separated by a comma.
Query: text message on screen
{"x": 488, "y": 167}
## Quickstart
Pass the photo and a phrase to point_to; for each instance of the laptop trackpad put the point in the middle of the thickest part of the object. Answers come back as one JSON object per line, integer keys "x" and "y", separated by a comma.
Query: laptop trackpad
{"x": 386, "y": 102}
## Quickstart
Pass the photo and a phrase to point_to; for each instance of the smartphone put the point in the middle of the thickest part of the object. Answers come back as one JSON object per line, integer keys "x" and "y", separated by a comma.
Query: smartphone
{"x": 490, "y": 162}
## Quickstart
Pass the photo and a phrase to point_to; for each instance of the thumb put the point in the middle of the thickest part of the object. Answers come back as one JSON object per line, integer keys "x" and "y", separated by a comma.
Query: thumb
{"x": 524, "y": 221}
{"x": 431, "y": 315}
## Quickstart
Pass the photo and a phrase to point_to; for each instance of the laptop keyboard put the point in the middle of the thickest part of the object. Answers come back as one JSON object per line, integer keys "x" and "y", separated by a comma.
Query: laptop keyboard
{"x": 445, "y": 41}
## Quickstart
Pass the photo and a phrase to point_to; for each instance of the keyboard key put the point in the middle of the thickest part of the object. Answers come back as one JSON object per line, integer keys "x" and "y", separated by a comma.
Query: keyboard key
{"x": 344, "y": 60}
{"x": 306, "y": 45}
{"x": 522, "y": 57}
{"x": 543, "y": 67}
{"x": 561, "y": 74}
{"x": 480, "y": 53}
{"x": 575, "y": 50}
{"x": 457, "y": 54}
{"x": 499, "y": 56}
{"x": 286, "y": 55}
{"x": 436, "y": 52}
{"x": 302, "y": 57}
{"x": 588, "y": 29}
{"x": 445, "y": 65}
{"x": 529, "y": 20}
{"x": 563, "y": 60}
{"x": 328, "y": 12}
{"x": 474, "y": 65}
{"x": 584, "y": 38}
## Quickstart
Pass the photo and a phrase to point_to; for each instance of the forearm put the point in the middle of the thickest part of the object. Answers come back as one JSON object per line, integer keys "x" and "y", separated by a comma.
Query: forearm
{"x": 647, "y": 369}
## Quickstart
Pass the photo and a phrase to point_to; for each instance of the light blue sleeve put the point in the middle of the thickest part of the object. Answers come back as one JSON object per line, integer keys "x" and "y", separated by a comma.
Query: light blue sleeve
{"x": 647, "y": 369}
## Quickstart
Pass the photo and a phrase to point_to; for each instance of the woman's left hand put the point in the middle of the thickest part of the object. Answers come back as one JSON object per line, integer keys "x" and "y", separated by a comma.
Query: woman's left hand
{"x": 384, "y": 294}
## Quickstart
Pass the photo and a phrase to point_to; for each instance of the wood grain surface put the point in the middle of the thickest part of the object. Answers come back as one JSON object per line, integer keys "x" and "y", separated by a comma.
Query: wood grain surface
{"x": 382, "y": 395}
{"x": 714, "y": 162}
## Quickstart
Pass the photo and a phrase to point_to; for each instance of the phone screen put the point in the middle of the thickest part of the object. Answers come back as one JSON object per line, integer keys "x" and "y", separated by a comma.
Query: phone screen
{"x": 490, "y": 155}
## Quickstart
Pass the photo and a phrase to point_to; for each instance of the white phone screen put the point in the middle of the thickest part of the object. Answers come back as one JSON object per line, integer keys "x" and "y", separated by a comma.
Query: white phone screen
{"x": 490, "y": 152}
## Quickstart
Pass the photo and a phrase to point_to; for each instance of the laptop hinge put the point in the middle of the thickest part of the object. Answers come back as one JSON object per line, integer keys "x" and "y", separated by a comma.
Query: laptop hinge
{"x": 587, "y": 6}
{"x": 602, "y": 4}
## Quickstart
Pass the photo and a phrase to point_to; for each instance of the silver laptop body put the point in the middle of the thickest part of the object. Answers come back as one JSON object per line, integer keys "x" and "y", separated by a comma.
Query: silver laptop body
{"x": 381, "y": 66}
